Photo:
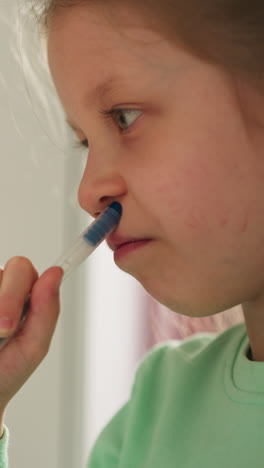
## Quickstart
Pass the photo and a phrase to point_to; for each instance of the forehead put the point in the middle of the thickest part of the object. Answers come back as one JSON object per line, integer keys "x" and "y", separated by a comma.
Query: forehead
{"x": 91, "y": 55}
{"x": 103, "y": 23}
{"x": 101, "y": 39}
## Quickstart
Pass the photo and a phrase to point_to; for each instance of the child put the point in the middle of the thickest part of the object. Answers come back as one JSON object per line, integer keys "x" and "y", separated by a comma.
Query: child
{"x": 168, "y": 98}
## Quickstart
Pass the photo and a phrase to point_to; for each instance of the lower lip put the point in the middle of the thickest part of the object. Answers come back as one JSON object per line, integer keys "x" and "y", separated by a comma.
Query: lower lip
{"x": 128, "y": 248}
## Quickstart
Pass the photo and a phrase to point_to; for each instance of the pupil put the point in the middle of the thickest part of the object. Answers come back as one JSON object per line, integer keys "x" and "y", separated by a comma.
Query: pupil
{"x": 122, "y": 119}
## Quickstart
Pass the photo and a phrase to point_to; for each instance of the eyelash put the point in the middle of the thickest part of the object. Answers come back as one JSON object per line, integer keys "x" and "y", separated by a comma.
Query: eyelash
{"x": 107, "y": 115}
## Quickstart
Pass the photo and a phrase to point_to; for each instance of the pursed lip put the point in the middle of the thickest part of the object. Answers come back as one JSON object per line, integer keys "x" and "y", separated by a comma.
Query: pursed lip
{"x": 114, "y": 241}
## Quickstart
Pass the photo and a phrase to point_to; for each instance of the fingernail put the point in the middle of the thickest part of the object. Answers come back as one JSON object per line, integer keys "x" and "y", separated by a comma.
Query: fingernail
{"x": 6, "y": 326}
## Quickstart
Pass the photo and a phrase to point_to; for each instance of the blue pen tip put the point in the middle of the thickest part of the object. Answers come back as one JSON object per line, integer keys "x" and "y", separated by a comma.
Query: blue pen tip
{"x": 104, "y": 224}
{"x": 117, "y": 207}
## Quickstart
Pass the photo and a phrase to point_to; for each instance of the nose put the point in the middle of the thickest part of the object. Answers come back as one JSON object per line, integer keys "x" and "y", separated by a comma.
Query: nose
{"x": 99, "y": 187}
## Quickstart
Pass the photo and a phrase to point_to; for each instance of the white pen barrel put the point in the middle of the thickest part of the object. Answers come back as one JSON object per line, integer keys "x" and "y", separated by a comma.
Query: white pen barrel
{"x": 74, "y": 256}
{"x": 83, "y": 246}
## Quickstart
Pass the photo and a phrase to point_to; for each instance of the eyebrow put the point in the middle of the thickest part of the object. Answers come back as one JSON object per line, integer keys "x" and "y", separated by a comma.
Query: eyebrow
{"x": 98, "y": 94}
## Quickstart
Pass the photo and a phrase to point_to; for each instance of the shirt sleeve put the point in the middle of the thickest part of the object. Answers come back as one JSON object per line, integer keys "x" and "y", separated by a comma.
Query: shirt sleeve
{"x": 4, "y": 448}
{"x": 106, "y": 450}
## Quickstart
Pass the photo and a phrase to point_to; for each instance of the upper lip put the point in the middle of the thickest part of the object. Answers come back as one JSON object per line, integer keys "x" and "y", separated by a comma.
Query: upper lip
{"x": 114, "y": 241}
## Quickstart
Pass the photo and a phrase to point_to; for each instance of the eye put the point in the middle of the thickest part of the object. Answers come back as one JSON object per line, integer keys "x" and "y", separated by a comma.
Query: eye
{"x": 123, "y": 117}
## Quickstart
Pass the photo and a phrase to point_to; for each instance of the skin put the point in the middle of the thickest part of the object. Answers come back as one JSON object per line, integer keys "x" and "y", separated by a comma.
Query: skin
{"x": 23, "y": 354}
{"x": 188, "y": 170}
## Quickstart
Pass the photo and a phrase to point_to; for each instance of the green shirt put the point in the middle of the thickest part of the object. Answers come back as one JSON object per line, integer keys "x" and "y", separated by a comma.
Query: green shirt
{"x": 194, "y": 404}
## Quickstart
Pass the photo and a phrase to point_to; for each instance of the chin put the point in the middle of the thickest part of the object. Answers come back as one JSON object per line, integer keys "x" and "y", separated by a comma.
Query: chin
{"x": 188, "y": 306}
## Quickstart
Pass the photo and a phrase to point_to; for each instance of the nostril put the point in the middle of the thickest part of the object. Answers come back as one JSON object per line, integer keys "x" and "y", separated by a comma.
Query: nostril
{"x": 103, "y": 199}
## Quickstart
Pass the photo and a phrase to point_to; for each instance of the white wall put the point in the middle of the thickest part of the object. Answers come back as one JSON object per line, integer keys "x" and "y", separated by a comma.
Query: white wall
{"x": 116, "y": 339}
{"x": 58, "y": 413}
{"x": 39, "y": 217}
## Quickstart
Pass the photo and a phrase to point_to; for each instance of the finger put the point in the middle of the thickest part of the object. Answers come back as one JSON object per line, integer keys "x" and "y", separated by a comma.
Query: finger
{"x": 37, "y": 332}
{"x": 1, "y": 275}
{"x": 18, "y": 278}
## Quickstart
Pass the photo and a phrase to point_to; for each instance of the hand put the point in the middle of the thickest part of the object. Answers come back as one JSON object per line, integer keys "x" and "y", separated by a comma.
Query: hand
{"x": 22, "y": 355}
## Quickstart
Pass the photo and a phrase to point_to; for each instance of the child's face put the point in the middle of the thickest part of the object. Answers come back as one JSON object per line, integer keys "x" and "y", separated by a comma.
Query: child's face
{"x": 186, "y": 164}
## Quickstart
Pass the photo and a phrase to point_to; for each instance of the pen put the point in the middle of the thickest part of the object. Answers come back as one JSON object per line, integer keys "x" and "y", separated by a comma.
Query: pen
{"x": 82, "y": 248}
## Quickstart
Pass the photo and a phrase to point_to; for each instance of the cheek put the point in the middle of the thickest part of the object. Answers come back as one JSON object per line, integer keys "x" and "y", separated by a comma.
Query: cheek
{"x": 201, "y": 195}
